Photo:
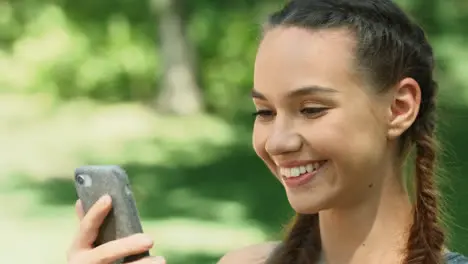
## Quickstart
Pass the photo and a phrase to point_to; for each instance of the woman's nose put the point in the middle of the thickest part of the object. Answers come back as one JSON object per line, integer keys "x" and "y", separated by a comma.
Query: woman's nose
{"x": 283, "y": 140}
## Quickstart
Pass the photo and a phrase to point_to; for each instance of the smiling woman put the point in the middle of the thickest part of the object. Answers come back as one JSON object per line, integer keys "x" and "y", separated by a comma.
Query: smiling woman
{"x": 297, "y": 127}
{"x": 343, "y": 91}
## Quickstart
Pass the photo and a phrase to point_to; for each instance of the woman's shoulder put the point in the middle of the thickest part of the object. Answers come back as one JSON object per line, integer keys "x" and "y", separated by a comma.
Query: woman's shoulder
{"x": 455, "y": 258}
{"x": 253, "y": 254}
{"x": 259, "y": 254}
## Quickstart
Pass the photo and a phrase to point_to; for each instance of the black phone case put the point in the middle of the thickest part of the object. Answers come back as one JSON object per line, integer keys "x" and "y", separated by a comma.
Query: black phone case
{"x": 91, "y": 183}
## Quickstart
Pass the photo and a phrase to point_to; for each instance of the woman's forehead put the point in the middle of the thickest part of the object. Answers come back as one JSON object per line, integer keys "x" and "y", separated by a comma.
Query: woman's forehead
{"x": 295, "y": 57}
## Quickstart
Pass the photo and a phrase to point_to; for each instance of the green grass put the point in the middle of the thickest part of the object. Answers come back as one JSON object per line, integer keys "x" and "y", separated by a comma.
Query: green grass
{"x": 43, "y": 142}
{"x": 32, "y": 232}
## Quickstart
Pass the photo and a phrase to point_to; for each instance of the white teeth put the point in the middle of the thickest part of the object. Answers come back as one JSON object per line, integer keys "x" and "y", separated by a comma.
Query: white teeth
{"x": 302, "y": 169}
{"x": 295, "y": 171}
{"x": 299, "y": 170}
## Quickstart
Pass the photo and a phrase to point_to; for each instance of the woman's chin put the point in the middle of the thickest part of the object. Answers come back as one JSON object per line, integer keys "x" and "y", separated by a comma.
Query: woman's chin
{"x": 305, "y": 207}
{"x": 310, "y": 203}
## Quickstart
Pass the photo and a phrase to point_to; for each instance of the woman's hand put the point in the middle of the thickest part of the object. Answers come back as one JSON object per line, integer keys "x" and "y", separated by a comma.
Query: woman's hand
{"x": 82, "y": 252}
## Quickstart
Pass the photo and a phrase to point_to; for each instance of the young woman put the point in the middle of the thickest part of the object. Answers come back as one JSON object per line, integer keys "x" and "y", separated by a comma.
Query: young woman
{"x": 344, "y": 90}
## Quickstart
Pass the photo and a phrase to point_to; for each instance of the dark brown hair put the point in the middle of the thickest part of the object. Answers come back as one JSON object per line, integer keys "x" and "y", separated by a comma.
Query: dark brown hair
{"x": 389, "y": 48}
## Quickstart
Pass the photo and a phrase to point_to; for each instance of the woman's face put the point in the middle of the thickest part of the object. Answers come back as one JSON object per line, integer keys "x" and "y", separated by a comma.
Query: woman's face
{"x": 320, "y": 129}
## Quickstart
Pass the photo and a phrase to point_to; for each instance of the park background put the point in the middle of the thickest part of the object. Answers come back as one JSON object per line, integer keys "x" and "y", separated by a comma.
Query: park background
{"x": 161, "y": 87}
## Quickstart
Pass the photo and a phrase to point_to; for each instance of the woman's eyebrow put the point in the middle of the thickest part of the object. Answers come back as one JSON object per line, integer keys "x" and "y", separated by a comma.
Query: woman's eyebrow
{"x": 314, "y": 89}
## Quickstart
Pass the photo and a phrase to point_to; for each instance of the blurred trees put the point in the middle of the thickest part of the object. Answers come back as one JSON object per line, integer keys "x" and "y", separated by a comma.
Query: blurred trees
{"x": 179, "y": 92}
{"x": 183, "y": 56}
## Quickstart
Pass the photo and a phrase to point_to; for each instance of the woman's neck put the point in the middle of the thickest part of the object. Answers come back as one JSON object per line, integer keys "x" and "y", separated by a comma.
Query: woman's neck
{"x": 373, "y": 231}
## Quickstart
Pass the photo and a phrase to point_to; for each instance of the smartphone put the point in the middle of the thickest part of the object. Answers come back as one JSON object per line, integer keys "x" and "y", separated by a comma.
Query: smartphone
{"x": 94, "y": 181}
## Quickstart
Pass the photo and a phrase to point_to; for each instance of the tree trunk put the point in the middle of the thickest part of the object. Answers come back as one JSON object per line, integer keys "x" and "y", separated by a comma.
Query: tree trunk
{"x": 179, "y": 92}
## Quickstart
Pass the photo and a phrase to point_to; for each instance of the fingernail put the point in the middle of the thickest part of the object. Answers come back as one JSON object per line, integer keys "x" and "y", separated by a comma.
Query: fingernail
{"x": 147, "y": 240}
{"x": 142, "y": 239}
{"x": 106, "y": 199}
{"x": 158, "y": 260}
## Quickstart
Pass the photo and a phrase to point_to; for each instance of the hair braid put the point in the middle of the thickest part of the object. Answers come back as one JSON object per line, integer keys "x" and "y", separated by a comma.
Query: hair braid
{"x": 403, "y": 51}
{"x": 302, "y": 244}
{"x": 426, "y": 237}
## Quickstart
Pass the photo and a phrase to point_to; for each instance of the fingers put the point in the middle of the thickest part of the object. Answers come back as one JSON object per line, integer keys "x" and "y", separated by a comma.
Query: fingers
{"x": 79, "y": 210}
{"x": 158, "y": 260}
{"x": 82, "y": 250}
{"x": 117, "y": 249}
{"x": 89, "y": 226}
{"x": 151, "y": 260}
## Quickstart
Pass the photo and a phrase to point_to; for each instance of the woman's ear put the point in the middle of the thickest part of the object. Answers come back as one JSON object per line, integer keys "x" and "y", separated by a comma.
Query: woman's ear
{"x": 404, "y": 107}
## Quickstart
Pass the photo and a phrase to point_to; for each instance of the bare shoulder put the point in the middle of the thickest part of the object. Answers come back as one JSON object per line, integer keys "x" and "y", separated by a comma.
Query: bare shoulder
{"x": 254, "y": 254}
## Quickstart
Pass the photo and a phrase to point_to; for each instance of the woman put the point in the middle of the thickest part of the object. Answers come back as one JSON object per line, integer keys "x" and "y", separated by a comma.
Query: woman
{"x": 344, "y": 90}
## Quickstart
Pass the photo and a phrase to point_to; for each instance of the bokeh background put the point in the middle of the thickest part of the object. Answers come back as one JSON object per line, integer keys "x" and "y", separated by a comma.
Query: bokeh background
{"x": 161, "y": 87}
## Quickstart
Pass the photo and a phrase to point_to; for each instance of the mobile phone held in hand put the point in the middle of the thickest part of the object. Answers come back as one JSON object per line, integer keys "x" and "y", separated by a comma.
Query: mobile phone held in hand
{"x": 94, "y": 181}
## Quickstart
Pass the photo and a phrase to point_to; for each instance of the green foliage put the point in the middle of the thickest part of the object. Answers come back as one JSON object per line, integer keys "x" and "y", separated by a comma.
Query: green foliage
{"x": 79, "y": 54}
{"x": 51, "y": 53}
{"x": 107, "y": 50}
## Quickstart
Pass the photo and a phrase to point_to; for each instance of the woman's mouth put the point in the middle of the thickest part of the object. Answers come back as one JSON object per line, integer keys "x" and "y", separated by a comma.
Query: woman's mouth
{"x": 301, "y": 174}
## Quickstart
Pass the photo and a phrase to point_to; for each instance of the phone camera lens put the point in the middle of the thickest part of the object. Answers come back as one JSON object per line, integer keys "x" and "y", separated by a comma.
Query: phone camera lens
{"x": 79, "y": 179}
{"x": 83, "y": 179}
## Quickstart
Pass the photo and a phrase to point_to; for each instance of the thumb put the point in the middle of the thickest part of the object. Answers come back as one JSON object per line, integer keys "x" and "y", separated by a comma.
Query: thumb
{"x": 79, "y": 209}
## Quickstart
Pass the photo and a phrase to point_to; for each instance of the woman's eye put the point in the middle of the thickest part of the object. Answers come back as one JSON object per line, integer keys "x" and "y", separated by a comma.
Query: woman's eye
{"x": 264, "y": 114}
{"x": 312, "y": 111}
